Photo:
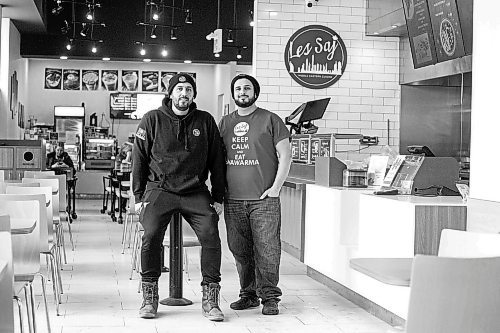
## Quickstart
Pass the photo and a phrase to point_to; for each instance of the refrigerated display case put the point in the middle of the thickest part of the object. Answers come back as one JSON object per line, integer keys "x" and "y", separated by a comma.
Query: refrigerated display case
{"x": 69, "y": 122}
{"x": 98, "y": 153}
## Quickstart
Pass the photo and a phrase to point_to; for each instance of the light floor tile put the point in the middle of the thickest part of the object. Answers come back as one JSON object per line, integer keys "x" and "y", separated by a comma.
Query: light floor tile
{"x": 100, "y": 297}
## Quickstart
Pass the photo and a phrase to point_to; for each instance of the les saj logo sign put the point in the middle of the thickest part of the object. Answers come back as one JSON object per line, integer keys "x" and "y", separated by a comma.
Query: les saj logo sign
{"x": 315, "y": 57}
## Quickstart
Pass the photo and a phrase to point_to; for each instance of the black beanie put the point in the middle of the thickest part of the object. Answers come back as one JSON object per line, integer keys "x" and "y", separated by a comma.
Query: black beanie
{"x": 181, "y": 78}
{"x": 256, "y": 86}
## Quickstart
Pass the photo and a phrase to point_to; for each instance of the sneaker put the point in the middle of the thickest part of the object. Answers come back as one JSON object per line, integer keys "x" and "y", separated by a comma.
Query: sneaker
{"x": 270, "y": 307}
{"x": 245, "y": 303}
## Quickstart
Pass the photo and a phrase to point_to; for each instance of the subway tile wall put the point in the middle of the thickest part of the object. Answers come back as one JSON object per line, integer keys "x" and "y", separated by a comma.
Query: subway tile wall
{"x": 365, "y": 100}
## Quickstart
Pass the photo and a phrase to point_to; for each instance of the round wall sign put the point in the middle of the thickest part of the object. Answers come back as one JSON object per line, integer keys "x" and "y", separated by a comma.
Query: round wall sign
{"x": 315, "y": 57}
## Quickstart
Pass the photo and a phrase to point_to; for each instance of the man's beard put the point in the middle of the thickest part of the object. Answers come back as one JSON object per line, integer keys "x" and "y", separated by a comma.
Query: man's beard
{"x": 179, "y": 107}
{"x": 246, "y": 104}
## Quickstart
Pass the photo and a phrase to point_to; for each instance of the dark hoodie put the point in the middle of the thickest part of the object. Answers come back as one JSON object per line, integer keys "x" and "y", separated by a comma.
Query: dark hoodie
{"x": 176, "y": 153}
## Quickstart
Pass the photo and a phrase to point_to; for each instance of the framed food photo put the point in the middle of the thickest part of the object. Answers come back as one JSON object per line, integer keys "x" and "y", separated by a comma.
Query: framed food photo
{"x": 53, "y": 78}
{"x": 109, "y": 79}
{"x": 13, "y": 94}
{"x": 130, "y": 79}
{"x": 165, "y": 79}
{"x": 71, "y": 79}
{"x": 90, "y": 79}
{"x": 150, "y": 81}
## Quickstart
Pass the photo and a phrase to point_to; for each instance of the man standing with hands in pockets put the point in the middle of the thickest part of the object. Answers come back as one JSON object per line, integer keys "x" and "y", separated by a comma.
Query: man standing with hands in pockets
{"x": 175, "y": 148}
{"x": 258, "y": 159}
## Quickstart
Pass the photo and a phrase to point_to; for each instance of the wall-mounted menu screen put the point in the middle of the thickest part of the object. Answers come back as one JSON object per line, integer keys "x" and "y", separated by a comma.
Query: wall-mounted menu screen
{"x": 418, "y": 23}
{"x": 121, "y": 105}
{"x": 447, "y": 29}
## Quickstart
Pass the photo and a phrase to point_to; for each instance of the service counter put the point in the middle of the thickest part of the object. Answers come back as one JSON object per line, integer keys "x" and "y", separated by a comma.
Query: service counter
{"x": 341, "y": 224}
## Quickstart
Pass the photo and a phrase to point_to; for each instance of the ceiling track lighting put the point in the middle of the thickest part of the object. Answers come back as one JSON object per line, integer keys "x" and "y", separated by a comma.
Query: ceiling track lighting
{"x": 153, "y": 32}
{"x": 164, "y": 52}
{"x": 230, "y": 38}
{"x": 69, "y": 45}
{"x": 85, "y": 29}
{"x": 239, "y": 56}
{"x": 252, "y": 23}
{"x": 142, "y": 51}
{"x": 217, "y": 55}
{"x": 173, "y": 36}
{"x": 94, "y": 49}
{"x": 58, "y": 9}
{"x": 189, "y": 19}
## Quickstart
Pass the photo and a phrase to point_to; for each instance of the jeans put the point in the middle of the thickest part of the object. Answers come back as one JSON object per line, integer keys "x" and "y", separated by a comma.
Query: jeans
{"x": 159, "y": 206}
{"x": 253, "y": 235}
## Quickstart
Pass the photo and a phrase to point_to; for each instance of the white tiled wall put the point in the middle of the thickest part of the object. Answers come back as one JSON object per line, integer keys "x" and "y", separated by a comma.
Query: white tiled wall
{"x": 364, "y": 99}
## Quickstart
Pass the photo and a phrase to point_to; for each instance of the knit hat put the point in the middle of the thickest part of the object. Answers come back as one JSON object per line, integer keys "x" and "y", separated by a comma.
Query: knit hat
{"x": 256, "y": 86}
{"x": 181, "y": 78}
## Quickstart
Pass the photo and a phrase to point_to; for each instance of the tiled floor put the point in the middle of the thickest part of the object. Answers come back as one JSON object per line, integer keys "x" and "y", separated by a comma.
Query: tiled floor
{"x": 99, "y": 297}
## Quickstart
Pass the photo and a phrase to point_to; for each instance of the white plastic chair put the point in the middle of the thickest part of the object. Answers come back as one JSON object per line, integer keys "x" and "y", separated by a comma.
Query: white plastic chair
{"x": 3, "y": 185}
{"x": 24, "y": 218}
{"x": 7, "y": 278}
{"x": 459, "y": 295}
{"x": 55, "y": 185}
{"x": 466, "y": 244}
{"x": 34, "y": 174}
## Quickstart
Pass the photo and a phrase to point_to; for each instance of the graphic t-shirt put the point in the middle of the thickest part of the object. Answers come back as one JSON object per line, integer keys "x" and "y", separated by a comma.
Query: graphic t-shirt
{"x": 251, "y": 159}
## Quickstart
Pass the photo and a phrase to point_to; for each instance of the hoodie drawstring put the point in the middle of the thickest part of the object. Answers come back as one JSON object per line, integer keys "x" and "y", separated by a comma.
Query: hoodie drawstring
{"x": 181, "y": 129}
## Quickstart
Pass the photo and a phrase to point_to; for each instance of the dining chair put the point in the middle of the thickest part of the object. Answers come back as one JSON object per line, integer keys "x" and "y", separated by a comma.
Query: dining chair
{"x": 24, "y": 218}
{"x": 7, "y": 278}
{"x": 46, "y": 247}
{"x": 54, "y": 184}
{"x": 459, "y": 295}
{"x": 2, "y": 175}
{"x": 54, "y": 251}
{"x": 34, "y": 174}
{"x": 467, "y": 244}
{"x": 3, "y": 185}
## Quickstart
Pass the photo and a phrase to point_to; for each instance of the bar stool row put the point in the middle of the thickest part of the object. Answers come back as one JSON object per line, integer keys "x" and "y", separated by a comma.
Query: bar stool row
{"x": 31, "y": 224}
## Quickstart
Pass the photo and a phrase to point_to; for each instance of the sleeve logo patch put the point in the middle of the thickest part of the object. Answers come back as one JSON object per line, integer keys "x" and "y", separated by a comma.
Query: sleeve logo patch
{"x": 141, "y": 134}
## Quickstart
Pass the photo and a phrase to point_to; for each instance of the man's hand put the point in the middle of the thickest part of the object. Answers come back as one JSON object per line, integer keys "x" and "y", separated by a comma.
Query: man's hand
{"x": 270, "y": 192}
{"x": 218, "y": 207}
{"x": 138, "y": 207}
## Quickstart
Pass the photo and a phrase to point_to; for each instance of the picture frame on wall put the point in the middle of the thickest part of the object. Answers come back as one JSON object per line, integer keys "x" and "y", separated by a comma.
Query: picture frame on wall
{"x": 165, "y": 79}
{"x": 109, "y": 79}
{"x": 71, "y": 79}
{"x": 13, "y": 93}
{"x": 53, "y": 78}
{"x": 150, "y": 81}
{"x": 90, "y": 79}
{"x": 130, "y": 79}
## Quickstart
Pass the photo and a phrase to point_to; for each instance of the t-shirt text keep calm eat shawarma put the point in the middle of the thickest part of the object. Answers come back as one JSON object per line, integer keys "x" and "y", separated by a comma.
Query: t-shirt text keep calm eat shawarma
{"x": 251, "y": 159}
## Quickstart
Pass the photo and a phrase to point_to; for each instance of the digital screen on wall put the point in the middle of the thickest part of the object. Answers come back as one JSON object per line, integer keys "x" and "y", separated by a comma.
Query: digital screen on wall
{"x": 133, "y": 105}
{"x": 446, "y": 28}
{"x": 465, "y": 11}
{"x": 418, "y": 24}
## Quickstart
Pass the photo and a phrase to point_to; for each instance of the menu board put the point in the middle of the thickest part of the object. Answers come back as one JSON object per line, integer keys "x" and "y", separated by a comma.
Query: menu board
{"x": 122, "y": 105}
{"x": 418, "y": 23}
{"x": 446, "y": 28}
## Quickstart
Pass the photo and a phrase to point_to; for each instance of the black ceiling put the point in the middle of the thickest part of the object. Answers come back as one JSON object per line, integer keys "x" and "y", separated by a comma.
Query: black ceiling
{"x": 121, "y": 36}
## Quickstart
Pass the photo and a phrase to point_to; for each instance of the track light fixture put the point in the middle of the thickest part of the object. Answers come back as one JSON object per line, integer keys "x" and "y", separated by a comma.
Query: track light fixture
{"x": 58, "y": 9}
{"x": 90, "y": 14}
{"x": 156, "y": 12}
{"x": 252, "y": 23}
{"x": 85, "y": 29}
{"x": 189, "y": 19}
{"x": 239, "y": 56}
{"x": 153, "y": 32}
{"x": 94, "y": 48}
{"x": 230, "y": 38}
{"x": 69, "y": 45}
{"x": 217, "y": 55}
{"x": 173, "y": 36}
{"x": 142, "y": 51}
{"x": 164, "y": 52}
{"x": 65, "y": 27}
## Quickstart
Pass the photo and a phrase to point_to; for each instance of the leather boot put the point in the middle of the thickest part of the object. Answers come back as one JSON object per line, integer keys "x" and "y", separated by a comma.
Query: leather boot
{"x": 210, "y": 302}
{"x": 150, "y": 298}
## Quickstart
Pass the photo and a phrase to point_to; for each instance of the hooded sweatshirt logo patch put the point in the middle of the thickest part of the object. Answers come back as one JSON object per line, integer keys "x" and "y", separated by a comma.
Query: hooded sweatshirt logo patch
{"x": 141, "y": 134}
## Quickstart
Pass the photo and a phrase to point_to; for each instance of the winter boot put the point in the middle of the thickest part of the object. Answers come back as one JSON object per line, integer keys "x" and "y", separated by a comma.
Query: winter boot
{"x": 150, "y": 298}
{"x": 210, "y": 302}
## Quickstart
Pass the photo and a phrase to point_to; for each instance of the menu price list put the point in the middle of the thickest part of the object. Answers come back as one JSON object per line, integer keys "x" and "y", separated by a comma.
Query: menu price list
{"x": 123, "y": 102}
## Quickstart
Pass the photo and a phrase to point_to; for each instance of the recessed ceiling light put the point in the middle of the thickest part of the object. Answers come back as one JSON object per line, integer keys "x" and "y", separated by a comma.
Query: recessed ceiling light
{"x": 187, "y": 61}
{"x": 376, "y": 33}
{"x": 164, "y": 53}
{"x": 63, "y": 57}
{"x": 273, "y": 13}
{"x": 106, "y": 59}
{"x": 146, "y": 60}
{"x": 217, "y": 55}
{"x": 394, "y": 25}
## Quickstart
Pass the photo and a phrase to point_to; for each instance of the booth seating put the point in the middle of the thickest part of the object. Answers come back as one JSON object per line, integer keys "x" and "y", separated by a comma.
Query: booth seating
{"x": 445, "y": 288}
{"x": 24, "y": 218}
{"x": 6, "y": 277}
{"x": 52, "y": 250}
